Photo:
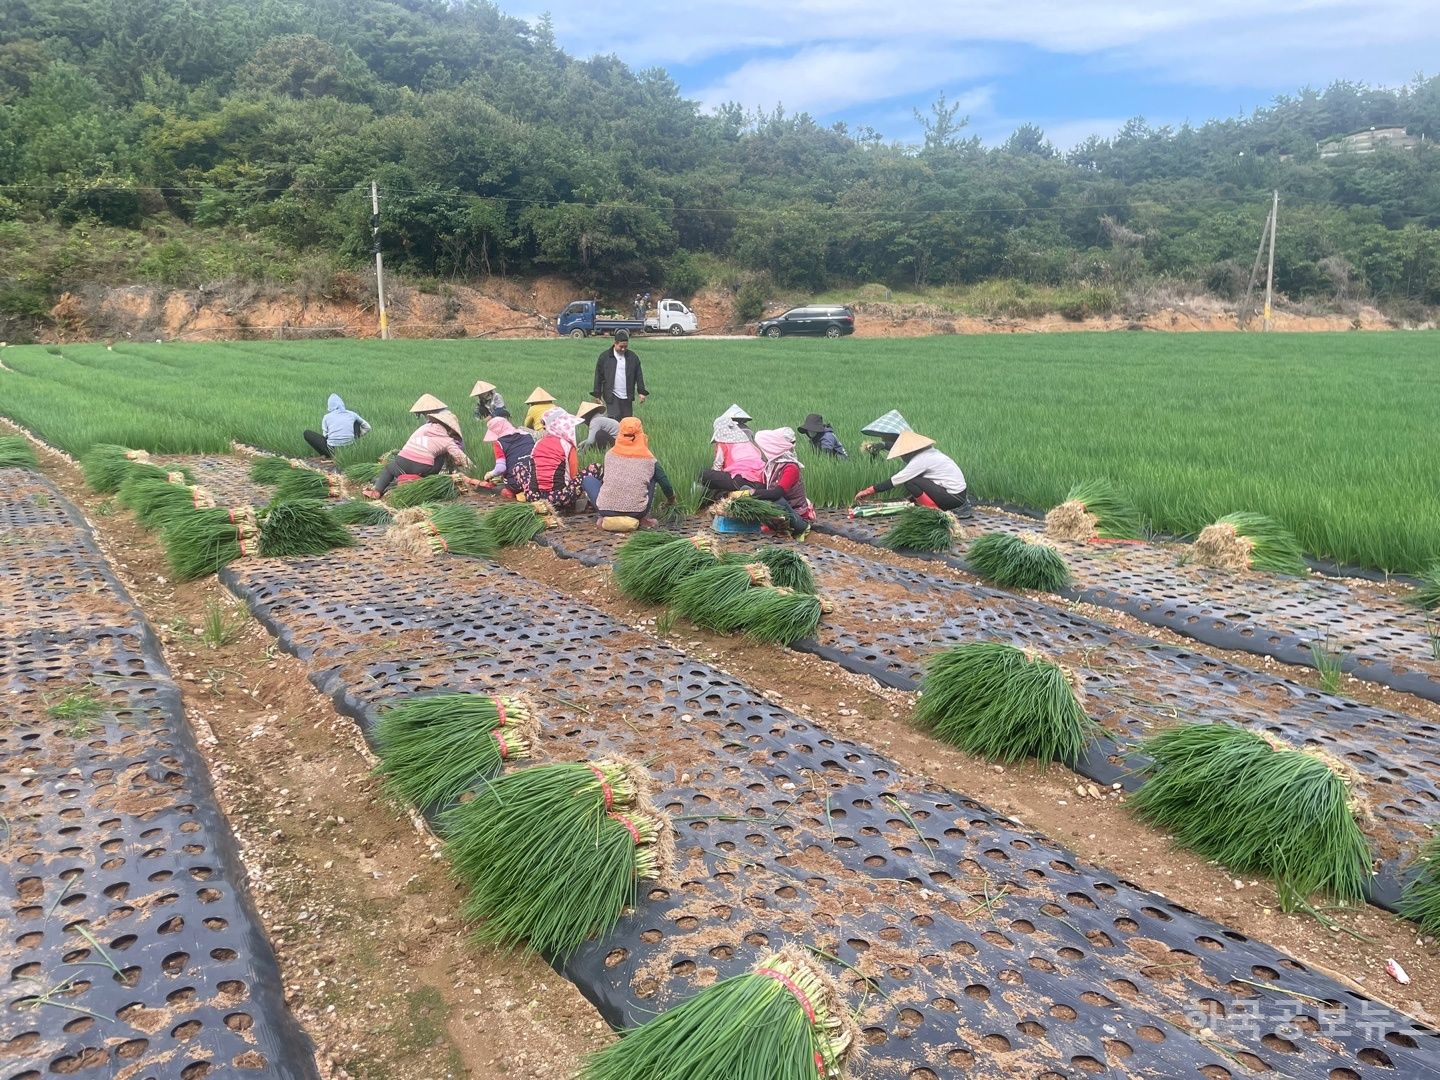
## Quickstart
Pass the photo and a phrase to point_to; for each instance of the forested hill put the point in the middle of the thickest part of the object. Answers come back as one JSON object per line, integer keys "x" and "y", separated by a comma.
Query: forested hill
{"x": 181, "y": 141}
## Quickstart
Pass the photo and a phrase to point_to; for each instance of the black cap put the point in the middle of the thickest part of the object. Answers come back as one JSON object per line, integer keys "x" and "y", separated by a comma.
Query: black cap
{"x": 622, "y": 334}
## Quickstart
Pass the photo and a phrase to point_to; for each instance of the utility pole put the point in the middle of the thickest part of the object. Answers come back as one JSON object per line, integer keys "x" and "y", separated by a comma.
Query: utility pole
{"x": 1242, "y": 314}
{"x": 1270, "y": 274}
{"x": 380, "y": 265}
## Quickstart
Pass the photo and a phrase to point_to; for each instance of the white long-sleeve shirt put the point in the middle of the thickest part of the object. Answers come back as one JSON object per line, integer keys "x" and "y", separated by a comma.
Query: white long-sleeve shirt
{"x": 933, "y": 465}
{"x": 620, "y": 389}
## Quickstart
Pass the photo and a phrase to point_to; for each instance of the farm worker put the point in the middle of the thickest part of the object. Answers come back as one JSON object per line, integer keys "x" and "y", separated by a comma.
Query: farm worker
{"x": 784, "y": 484}
{"x": 822, "y": 436}
{"x": 339, "y": 427}
{"x": 603, "y": 430}
{"x": 552, "y": 472}
{"x": 741, "y": 417}
{"x": 619, "y": 382}
{"x": 435, "y": 445}
{"x": 626, "y": 487}
{"x": 488, "y": 401}
{"x": 884, "y": 431}
{"x": 928, "y": 476}
{"x": 540, "y": 402}
{"x": 426, "y": 404}
{"x": 738, "y": 464}
{"x": 512, "y": 446}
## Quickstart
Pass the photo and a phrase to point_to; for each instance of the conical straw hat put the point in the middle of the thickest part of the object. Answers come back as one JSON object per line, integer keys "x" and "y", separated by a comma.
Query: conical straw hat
{"x": 907, "y": 443}
{"x": 588, "y": 407}
{"x": 427, "y": 403}
{"x": 539, "y": 397}
{"x": 482, "y": 387}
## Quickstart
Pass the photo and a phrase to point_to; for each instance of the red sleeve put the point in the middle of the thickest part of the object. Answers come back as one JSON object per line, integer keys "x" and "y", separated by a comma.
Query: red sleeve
{"x": 789, "y": 476}
{"x": 574, "y": 461}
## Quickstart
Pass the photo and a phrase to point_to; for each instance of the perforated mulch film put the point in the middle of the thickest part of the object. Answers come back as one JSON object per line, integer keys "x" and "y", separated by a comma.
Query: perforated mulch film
{"x": 1381, "y": 638}
{"x": 130, "y": 948}
{"x": 975, "y": 948}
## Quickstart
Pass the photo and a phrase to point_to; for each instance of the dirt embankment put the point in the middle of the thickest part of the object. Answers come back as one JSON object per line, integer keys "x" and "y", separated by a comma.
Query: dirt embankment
{"x": 526, "y": 308}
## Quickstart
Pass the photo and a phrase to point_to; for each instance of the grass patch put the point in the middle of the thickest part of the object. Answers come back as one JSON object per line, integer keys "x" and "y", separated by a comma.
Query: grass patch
{"x": 78, "y": 710}
{"x": 1015, "y": 562}
{"x": 1329, "y": 662}
{"x": 220, "y": 627}
{"x": 1427, "y": 593}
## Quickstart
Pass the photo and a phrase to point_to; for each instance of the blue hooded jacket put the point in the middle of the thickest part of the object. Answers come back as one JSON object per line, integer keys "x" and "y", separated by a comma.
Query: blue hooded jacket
{"x": 341, "y": 427}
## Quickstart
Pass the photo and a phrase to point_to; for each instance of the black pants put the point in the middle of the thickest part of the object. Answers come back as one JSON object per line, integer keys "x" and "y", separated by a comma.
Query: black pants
{"x": 717, "y": 483}
{"x": 618, "y": 408}
{"x": 945, "y": 500}
{"x": 399, "y": 466}
{"x": 320, "y": 446}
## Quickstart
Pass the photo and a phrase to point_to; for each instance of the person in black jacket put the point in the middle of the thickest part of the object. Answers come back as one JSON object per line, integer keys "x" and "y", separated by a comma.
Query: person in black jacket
{"x": 619, "y": 381}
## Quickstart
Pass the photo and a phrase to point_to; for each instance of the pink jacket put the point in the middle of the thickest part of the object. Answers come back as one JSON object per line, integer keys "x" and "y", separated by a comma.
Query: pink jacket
{"x": 432, "y": 441}
{"x": 742, "y": 460}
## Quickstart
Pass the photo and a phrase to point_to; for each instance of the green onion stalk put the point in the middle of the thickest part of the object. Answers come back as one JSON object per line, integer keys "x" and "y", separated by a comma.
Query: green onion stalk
{"x": 362, "y": 472}
{"x": 1421, "y": 899}
{"x": 554, "y": 853}
{"x": 512, "y": 524}
{"x": 1004, "y": 703}
{"x": 1255, "y": 805}
{"x": 271, "y": 469}
{"x": 745, "y": 508}
{"x": 361, "y": 512}
{"x": 1018, "y": 562}
{"x": 1251, "y": 542}
{"x": 651, "y": 572}
{"x": 712, "y": 598}
{"x": 156, "y": 502}
{"x": 443, "y": 530}
{"x": 17, "y": 453}
{"x": 1095, "y": 509}
{"x": 775, "y": 616}
{"x": 107, "y": 466}
{"x": 427, "y": 489}
{"x": 1427, "y": 593}
{"x": 301, "y": 527}
{"x": 434, "y": 749}
{"x": 885, "y": 509}
{"x": 922, "y": 528}
{"x": 785, "y": 1019}
{"x": 202, "y": 542}
{"x": 308, "y": 484}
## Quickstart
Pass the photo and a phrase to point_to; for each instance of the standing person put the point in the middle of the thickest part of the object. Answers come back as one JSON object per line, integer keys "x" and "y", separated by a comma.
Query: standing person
{"x": 603, "y": 430}
{"x": 738, "y": 463}
{"x": 822, "y": 436}
{"x": 512, "y": 446}
{"x": 619, "y": 382}
{"x": 436, "y": 445}
{"x": 626, "y": 487}
{"x": 928, "y": 476}
{"x": 540, "y": 402}
{"x": 552, "y": 473}
{"x": 784, "y": 482}
{"x": 488, "y": 401}
{"x": 884, "y": 431}
{"x": 339, "y": 427}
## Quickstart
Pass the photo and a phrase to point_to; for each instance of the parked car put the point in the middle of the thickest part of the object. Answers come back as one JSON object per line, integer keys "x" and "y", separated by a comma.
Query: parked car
{"x": 832, "y": 320}
{"x": 582, "y": 318}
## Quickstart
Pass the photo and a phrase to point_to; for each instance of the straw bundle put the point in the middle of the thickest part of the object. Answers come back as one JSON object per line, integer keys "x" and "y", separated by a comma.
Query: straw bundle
{"x": 428, "y": 489}
{"x": 434, "y": 749}
{"x": 711, "y": 598}
{"x": 301, "y": 527}
{"x": 783, "y": 1020}
{"x": 651, "y": 571}
{"x": 17, "y": 453}
{"x": 921, "y": 528}
{"x": 552, "y": 854}
{"x": 1256, "y": 805}
{"x": 1094, "y": 509}
{"x": 1015, "y": 562}
{"x": 1004, "y": 703}
{"x": 1251, "y": 542}
{"x": 201, "y": 543}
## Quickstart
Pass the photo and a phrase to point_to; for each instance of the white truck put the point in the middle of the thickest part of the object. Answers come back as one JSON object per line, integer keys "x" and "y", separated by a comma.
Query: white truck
{"x": 581, "y": 319}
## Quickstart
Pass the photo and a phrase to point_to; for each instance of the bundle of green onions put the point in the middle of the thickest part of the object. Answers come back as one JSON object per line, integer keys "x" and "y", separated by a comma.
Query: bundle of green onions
{"x": 711, "y": 598}
{"x": 1093, "y": 509}
{"x": 651, "y": 571}
{"x": 512, "y": 524}
{"x": 272, "y": 469}
{"x": 884, "y": 509}
{"x": 553, "y": 854}
{"x": 17, "y": 453}
{"x": 775, "y": 616}
{"x": 1421, "y": 899}
{"x": 434, "y": 749}
{"x": 106, "y": 466}
{"x": 361, "y": 512}
{"x": 1016, "y": 562}
{"x": 301, "y": 527}
{"x": 782, "y": 1020}
{"x": 1427, "y": 593}
{"x": 1251, "y": 542}
{"x": 202, "y": 542}
{"x": 922, "y": 528}
{"x": 428, "y": 489}
{"x": 745, "y": 508}
{"x": 788, "y": 568}
{"x": 1004, "y": 703}
{"x": 362, "y": 472}
{"x": 308, "y": 484}
{"x": 1255, "y": 805}
{"x": 441, "y": 530}
{"x": 156, "y": 502}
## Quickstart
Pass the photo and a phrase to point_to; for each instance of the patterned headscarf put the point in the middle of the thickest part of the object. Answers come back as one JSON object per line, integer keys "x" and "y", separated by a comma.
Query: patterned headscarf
{"x": 559, "y": 423}
{"x": 728, "y": 431}
{"x": 498, "y": 427}
{"x": 631, "y": 442}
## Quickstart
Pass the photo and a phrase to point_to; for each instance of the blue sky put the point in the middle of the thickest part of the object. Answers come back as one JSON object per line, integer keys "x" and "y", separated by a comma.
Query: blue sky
{"x": 1072, "y": 67}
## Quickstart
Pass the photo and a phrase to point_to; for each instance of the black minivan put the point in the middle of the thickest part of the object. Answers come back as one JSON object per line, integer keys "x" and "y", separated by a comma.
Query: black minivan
{"x": 832, "y": 320}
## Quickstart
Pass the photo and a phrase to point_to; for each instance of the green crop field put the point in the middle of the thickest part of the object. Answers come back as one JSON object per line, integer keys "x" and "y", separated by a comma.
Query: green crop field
{"x": 1334, "y": 434}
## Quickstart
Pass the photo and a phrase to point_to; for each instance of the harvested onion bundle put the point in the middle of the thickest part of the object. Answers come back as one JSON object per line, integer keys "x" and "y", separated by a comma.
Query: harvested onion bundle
{"x": 427, "y": 489}
{"x": 1251, "y": 542}
{"x": 301, "y": 527}
{"x": 1018, "y": 562}
{"x": 17, "y": 453}
{"x": 745, "y": 508}
{"x": 1093, "y": 509}
{"x": 423, "y": 531}
{"x": 650, "y": 571}
{"x": 512, "y": 524}
{"x": 922, "y": 528}
{"x": 712, "y": 598}
{"x": 433, "y": 749}
{"x": 361, "y": 512}
{"x": 272, "y": 469}
{"x": 308, "y": 484}
{"x": 157, "y": 501}
{"x": 201, "y": 543}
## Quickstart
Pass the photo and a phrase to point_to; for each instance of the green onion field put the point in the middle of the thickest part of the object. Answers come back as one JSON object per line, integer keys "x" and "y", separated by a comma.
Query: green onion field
{"x": 1334, "y": 434}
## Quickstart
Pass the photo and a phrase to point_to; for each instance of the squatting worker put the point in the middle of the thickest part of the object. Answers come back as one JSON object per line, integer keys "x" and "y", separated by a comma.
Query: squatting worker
{"x": 603, "y": 430}
{"x": 512, "y": 446}
{"x": 738, "y": 463}
{"x": 488, "y": 401}
{"x": 619, "y": 382}
{"x": 928, "y": 476}
{"x": 883, "y": 433}
{"x": 340, "y": 427}
{"x": 436, "y": 445}
{"x": 626, "y": 487}
{"x": 540, "y": 402}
